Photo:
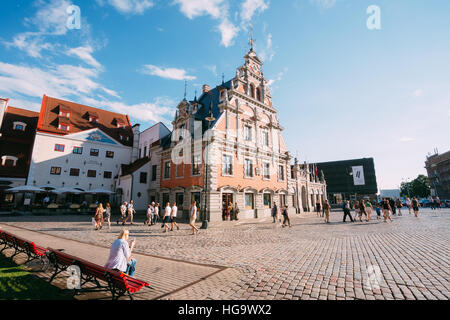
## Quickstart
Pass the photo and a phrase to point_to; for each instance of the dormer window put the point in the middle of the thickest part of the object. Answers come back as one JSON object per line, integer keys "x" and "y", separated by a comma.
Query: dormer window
{"x": 63, "y": 124}
{"x": 93, "y": 117}
{"x": 64, "y": 127}
{"x": 17, "y": 125}
{"x": 120, "y": 124}
{"x": 64, "y": 111}
{"x": 9, "y": 161}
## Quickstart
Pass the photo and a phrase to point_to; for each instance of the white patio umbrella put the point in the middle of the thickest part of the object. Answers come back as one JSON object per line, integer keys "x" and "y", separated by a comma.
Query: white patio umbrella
{"x": 25, "y": 189}
{"x": 67, "y": 190}
{"x": 99, "y": 190}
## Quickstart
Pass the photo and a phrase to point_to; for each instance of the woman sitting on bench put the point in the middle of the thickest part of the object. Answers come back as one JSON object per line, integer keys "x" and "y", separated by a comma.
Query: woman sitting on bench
{"x": 120, "y": 254}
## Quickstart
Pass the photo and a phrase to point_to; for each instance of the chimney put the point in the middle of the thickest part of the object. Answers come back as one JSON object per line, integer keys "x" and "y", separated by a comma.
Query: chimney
{"x": 206, "y": 88}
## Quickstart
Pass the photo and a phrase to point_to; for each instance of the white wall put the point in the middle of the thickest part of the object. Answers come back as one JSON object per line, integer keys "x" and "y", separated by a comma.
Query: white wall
{"x": 150, "y": 135}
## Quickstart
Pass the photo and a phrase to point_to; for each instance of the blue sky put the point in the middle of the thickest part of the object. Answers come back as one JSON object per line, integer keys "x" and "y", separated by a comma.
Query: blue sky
{"x": 342, "y": 91}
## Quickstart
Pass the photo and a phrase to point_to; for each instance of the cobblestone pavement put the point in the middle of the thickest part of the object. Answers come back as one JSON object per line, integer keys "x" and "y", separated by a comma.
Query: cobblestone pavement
{"x": 405, "y": 259}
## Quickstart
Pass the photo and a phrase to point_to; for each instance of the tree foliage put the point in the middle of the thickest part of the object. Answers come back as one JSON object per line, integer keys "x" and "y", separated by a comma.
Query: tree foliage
{"x": 419, "y": 187}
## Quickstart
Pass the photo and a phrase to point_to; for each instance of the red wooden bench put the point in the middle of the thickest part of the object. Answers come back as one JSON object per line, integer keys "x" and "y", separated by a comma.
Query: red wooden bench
{"x": 118, "y": 283}
{"x": 21, "y": 245}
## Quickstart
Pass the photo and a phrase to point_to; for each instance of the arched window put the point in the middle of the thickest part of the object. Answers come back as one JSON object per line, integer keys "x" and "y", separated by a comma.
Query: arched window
{"x": 252, "y": 90}
{"x": 258, "y": 94}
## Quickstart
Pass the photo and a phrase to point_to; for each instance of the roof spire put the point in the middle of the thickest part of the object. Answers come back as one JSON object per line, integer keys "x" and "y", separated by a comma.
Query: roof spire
{"x": 185, "y": 89}
{"x": 251, "y": 41}
{"x": 223, "y": 78}
{"x": 195, "y": 99}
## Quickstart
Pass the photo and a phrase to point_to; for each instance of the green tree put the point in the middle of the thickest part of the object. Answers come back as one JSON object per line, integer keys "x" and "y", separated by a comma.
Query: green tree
{"x": 419, "y": 187}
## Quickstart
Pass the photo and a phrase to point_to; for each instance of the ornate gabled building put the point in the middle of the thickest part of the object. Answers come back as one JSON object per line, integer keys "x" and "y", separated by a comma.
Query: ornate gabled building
{"x": 232, "y": 133}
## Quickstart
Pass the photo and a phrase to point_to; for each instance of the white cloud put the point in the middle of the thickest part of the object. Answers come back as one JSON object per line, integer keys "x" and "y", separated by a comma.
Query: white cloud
{"x": 85, "y": 54}
{"x": 417, "y": 93}
{"x": 325, "y": 4}
{"x": 168, "y": 73}
{"x": 228, "y": 31}
{"x": 267, "y": 53}
{"x": 406, "y": 139}
{"x": 217, "y": 9}
{"x": 145, "y": 111}
{"x": 196, "y": 8}
{"x": 279, "y": 76}
{"x": 131, "y": 6}
{"x": 250, "y": 7}
{"x": 59, "y": 81}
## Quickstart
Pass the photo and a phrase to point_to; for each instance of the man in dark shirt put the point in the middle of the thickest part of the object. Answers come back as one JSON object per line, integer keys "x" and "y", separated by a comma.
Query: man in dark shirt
{"x": 274, "y": 212}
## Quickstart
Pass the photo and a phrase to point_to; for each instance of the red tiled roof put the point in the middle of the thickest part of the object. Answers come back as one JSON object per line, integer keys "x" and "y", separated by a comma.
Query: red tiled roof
{"x": 79, "y": 119}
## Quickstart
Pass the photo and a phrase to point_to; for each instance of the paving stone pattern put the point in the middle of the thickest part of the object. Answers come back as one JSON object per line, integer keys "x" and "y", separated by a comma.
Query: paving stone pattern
{"x": 262, "y": 260}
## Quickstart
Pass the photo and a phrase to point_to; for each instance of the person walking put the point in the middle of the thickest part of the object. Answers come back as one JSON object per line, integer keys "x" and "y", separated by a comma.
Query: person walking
{"x": 362, "y": 210}
{"x": 108, "y": 215}
{"x": 173, "y": 217}
{"x": 437, "y": 203}
{"x": 156, "y": 212}
{"x": 378, "y": 210}
{"x": 408, "y": 204}
{"x": 193, "y": 217}
{"x": 130, "y": 212}
{"x": 318, "y": 208}
{"x": 399, "y": 205}
{"x": 166, "y": 218}
{"x": 120, "y": 258}
{"x": 236, "y": 211}
{"x": 285, "y": 217}
{"x": 356, "y": 209}
{"x": 230, "y": 212}
{"x": 392, "y": 204}
{"x": 415, "y": 206}
{"x": 274, "y": 212}
{"x": 123, "y": 213}
{"x": 386, "y": 210}
{"x": 369, "y": 209}
{"x": 98, "y": 217}
{"x": 149, "y": 215}
{"x": 326, "y": 210}
{"x": 346, "y": 207}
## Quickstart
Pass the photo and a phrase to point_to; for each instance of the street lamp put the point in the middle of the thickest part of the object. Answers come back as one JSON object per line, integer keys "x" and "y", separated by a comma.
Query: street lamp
{"x": 210, "y": 118}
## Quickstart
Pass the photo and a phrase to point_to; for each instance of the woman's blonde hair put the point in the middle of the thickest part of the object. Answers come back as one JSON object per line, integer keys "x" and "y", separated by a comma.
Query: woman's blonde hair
{"x": 100, "y": 205}
{"x": 123, "y": 233}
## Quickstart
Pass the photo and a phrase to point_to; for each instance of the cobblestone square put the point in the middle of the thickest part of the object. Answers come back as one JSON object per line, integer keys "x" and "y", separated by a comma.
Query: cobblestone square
{"x": 258, "y": 259}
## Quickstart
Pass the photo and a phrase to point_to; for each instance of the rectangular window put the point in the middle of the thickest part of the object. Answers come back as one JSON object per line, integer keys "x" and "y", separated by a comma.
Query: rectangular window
{"x": 179, "y": 199}
{"x": 282, "y": 200}
{"x": 110, "y": 154}
{"x": 247, "y": 133}
{"x": 281, "y": 172}
{"x": 92, "y": 173}
{"x": 18, "y": 127}
{"x": 249, "y": 204}
{"x": 140, "y": 153}
{"x": 55, "y": 170}
{"x": 59, "y": 147}
{"x": 227, "y": 165}
{"x": 107, "y": 174}
{"x": 165, "y": 200}
{"x": 154, "y": 168}
{"x": 267, "y": 200}
{"x": 64, "y": 127}
{"x": 74, "y": 172}
{"x": 78, "y": 150}
{"x": 248, "y": 168}
{"x": 145, "y": 151}
{"x": 196, "y": 163}
{"x": 265, "y": 138}
{"x": 143, "y": 177}
{"x": 167, "y": 170}
{"x": 180, "y": 170}
{"x": 266, "y": 170}
{"x": 94, "y": 152}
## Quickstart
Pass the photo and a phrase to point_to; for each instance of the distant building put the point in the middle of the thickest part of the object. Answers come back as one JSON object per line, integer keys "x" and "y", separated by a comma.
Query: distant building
{"x": 349, "y": 179}
{"x": 438, "y": 170}
{"x": 390, "y": 193}
{"x": 17, "y": 133}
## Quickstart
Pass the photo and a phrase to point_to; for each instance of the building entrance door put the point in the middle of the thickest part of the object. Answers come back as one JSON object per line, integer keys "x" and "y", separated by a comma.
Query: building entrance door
{"x": 227, "y": 199}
